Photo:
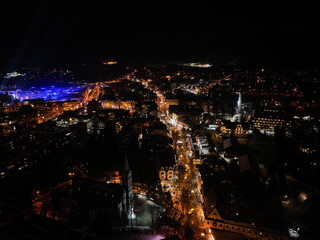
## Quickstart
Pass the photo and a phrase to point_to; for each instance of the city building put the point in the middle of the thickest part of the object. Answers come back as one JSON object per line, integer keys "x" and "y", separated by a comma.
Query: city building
{"x": 266, "y": 119}
{"x": 185, "y": 115}
{"x": 101, "y": 200}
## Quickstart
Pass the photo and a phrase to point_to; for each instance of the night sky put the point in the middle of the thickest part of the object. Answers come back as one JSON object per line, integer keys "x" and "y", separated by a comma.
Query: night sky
{"x": 39, "y": 33}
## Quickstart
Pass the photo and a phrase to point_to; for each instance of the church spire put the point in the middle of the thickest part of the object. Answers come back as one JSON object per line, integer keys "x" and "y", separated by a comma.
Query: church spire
{"x": 125, "y": 162}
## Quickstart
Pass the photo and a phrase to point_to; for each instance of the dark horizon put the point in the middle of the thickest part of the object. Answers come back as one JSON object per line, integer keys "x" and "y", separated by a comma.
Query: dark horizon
{"x": 41, "y": 33}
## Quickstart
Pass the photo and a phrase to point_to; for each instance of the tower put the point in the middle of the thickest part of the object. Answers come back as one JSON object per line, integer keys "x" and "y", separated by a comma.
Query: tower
{"x": 238, "y": 107}
{"x": 127, "y": 183}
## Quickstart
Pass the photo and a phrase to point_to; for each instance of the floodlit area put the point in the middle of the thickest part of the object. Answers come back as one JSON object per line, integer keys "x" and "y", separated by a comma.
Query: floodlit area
{"x": 51, "y": 93}
{"x": 198, "y": 65}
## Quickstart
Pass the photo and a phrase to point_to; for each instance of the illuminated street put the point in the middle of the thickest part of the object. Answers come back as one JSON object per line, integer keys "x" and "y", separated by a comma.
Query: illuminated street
{"x": 189, "y": 188}
{"x": 189, "y": 200}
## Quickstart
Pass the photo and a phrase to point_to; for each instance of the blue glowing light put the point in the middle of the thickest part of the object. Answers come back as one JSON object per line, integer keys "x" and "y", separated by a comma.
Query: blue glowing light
{"x": 52, "y": 93}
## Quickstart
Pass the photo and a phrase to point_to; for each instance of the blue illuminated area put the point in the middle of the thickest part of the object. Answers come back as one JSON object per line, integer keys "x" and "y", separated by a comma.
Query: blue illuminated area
{"x": 49, "y": 93}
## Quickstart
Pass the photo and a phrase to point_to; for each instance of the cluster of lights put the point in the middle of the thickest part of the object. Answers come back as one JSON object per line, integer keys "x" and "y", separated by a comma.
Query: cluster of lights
{"x": 51, "y": 93}
{"x": 14, "y": 74}
{"x": 199, "y": 65}
{"x": 109, "y": 63}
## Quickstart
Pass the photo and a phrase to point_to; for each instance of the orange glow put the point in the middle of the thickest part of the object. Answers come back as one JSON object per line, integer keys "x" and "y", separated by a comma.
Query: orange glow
{"x": 110, "y": 63}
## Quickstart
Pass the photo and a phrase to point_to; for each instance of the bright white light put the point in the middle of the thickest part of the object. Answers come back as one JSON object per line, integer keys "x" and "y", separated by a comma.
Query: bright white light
{"x": 199, "y": 65}
{"x": 306, "y": 118}
{"x": 14, "y": 74}
{"x": 294, "y": 232}
{"x": 133, "y": 216}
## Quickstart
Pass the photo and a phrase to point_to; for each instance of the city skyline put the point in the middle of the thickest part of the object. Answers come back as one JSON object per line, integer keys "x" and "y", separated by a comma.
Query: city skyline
{"x": 159, "y": 120}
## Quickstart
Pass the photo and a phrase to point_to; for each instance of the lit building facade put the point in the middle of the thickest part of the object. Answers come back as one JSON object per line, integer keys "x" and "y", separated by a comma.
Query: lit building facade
{"x": 266, "y": 119}
{"x": 166, "y": 175}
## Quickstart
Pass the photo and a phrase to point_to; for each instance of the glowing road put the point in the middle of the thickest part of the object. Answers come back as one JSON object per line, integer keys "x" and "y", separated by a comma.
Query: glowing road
{"x": 185, "y": 190}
